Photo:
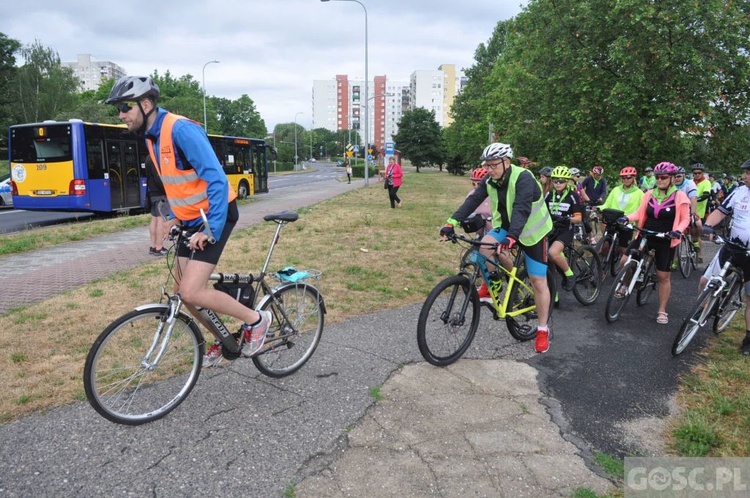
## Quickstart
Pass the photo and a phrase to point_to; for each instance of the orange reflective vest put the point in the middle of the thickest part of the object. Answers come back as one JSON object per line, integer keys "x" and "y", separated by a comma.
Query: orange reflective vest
{"x": 187, "y": 193}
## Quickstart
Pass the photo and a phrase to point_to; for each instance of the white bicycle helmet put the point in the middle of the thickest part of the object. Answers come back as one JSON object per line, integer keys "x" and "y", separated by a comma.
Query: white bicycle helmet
{"x": 575, "y": 171}
{"x": 496, "y": 151}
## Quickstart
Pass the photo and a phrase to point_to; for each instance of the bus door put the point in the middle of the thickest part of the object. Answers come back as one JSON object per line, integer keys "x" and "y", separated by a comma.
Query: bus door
{"x": 260, "y": 168}
{"x": 124, "y": 171}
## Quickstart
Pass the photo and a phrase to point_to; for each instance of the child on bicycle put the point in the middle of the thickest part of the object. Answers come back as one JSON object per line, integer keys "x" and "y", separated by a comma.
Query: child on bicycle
{"x": 565, "y": 208}
{"x": 519, "y": 216}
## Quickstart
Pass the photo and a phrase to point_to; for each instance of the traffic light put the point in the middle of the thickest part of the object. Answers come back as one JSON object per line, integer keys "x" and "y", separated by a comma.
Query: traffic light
{"x": 374, "y": 152}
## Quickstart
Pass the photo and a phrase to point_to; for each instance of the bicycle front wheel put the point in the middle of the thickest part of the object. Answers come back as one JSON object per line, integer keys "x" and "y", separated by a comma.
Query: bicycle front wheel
{"x": 618, "y": 295}
{"x": 298, "y": 315}
{"x": 684, "y": 257}
{"x": 125, "y": 379}
{"x": 730, "y": 304}
{"x": 587, "y": 269}
{"x": 448, "y": 321}
{"x": 694, "y": 321}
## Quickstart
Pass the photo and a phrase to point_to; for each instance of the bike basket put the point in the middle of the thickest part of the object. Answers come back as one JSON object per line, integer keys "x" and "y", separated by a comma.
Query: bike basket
{"x": 244, "y": 293}
{"x": 611, "y": 215}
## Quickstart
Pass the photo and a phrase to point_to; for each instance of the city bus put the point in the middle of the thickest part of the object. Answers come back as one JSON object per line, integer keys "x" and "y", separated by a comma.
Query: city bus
{"x": 78, "y": 166}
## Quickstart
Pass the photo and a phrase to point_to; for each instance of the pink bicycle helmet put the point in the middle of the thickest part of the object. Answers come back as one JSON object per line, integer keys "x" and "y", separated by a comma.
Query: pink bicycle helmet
{"x": 665, "y": 168}
{"x": 597, "y": 170}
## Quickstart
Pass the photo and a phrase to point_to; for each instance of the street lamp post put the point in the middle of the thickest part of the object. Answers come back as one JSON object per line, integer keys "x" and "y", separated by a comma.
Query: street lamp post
{"x": 295, "y": 139}
{"x": 205, "y": 122}
{"x": 367, "y": 114}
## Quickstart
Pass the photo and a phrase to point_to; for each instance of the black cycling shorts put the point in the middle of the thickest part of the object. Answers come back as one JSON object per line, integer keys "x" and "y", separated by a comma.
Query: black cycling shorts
{"x": 212, "y": 252}
{"x": 663, "y": 253}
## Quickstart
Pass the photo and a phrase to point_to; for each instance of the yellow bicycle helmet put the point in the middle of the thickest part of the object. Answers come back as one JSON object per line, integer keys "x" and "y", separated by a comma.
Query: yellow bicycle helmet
{"x": 561, "y": 172}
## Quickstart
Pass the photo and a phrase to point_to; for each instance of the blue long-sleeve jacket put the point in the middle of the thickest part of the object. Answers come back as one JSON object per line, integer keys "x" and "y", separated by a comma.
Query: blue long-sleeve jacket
{"x": 193, "y": 145}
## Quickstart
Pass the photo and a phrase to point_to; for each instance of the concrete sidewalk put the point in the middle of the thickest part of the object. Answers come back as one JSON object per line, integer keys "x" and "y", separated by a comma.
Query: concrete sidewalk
{"x": 476, "y": 428}
{"x": 480, "y": 427}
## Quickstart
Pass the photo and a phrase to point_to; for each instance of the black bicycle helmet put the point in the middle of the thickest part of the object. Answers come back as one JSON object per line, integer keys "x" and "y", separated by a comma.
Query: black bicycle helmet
{"x": 133, "y": 88}
{"x": 698, "y": 166}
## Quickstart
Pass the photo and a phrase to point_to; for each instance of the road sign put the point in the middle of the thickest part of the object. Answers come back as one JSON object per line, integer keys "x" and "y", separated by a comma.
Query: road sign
{"x": 356, "y": 149}
{"x": 349, "y": 153}
{"x": 390, "y": 148}
{"x": 369, "y": 157}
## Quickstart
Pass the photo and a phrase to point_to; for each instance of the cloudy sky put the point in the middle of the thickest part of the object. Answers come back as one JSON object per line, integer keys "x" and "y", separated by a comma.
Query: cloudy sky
{"x": 271, "y": 50}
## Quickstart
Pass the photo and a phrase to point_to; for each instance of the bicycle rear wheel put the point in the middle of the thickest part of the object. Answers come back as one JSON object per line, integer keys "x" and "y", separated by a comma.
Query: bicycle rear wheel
{"x": 684, "y": 257}
{"x": 618, "y": 298}
{"x": 448, "y": 321}
{"x": 646, "y": 289}
{"x": 730, "y": 304}
{"x": 298, "y": 317}
{"x": 121, "y": 378}
{"x": 587, "y": 269}
{"x": 695, "y": 319}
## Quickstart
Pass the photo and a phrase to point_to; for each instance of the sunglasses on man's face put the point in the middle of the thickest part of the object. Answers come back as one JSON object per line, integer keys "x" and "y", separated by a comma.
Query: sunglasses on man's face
{"x": 125, "y": 106}
{"x": 663, "y": 177}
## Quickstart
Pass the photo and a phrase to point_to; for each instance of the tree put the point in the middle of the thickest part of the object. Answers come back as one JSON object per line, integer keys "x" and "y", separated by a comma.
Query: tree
{"x": 623, "y": 82}
{"x": 420, "y": 138}
{"x": 42, "y": 88}
{"x": 8, "y": 48}
{"x": 467, "y": 135}
{"x": 238, "y": 118}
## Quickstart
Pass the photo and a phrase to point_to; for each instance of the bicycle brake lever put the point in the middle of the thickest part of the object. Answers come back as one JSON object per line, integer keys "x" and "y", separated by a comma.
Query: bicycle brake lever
{"x": 211, "y": 239}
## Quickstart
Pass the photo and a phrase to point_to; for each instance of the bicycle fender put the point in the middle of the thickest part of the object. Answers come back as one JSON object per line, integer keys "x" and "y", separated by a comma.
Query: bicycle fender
{"x": 162, "y": 307}
{"x": 281, "y": 287}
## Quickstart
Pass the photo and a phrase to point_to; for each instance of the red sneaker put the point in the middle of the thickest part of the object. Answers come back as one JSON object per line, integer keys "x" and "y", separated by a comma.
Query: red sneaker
{"x": 484, "y": 293}
{"x": 541, "y": 345}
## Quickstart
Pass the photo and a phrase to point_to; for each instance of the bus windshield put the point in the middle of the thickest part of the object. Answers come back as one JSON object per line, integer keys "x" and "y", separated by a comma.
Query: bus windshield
{"x": 38, "y": 144}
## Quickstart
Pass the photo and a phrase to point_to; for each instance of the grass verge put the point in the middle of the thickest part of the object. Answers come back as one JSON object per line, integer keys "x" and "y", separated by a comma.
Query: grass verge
{"x": 714, "y": 420}
{"x": 372, "y": 258}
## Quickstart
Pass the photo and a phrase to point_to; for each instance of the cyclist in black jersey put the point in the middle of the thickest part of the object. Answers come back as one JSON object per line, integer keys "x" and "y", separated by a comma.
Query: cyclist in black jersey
{"x": 565, "y": 208}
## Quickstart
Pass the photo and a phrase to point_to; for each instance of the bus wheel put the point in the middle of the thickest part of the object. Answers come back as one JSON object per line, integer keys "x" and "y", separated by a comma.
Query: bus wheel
{"x": 243, "y": 190}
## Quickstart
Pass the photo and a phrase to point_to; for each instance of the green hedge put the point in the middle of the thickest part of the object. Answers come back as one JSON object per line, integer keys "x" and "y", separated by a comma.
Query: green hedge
{"x": 358, "y": 171}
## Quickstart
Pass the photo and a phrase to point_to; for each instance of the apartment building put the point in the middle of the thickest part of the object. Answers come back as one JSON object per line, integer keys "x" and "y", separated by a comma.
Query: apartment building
{"x": 92, "y": 73}
{"x": 338, "y": 104}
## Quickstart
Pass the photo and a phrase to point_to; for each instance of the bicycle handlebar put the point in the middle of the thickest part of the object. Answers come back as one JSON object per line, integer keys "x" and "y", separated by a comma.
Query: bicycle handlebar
{"x": 456, "y": 237}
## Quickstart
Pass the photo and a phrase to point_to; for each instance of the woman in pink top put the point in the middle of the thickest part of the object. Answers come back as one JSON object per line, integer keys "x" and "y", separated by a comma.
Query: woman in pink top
{"x": 663, "y": 209}
{"x": 393, "y": 179}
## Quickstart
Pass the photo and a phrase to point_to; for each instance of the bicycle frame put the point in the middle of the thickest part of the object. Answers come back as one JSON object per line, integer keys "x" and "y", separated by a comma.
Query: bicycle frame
{"x": 494, "y": 285}
{"x": 208, "y": 318}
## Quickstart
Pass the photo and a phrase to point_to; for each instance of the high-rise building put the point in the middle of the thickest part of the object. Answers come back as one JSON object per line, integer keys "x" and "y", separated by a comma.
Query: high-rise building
{"x": 92, "y": 73}
{"x": 338, "y": 104}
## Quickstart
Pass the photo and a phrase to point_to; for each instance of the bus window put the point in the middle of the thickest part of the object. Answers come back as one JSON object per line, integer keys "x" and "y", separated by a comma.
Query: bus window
{"x": 95, "y": 155}
{"x": 37, "y": 144}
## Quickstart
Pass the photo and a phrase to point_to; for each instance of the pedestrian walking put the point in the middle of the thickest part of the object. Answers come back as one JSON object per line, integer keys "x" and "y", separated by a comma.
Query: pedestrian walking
{"x": 157, "y": 204}
{"x": 393, "y": 179}
{"x": 348, "y": 172}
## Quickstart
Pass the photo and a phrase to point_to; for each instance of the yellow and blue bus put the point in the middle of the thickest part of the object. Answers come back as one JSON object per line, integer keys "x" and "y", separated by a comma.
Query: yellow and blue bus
{"x": 78, "y": 166}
